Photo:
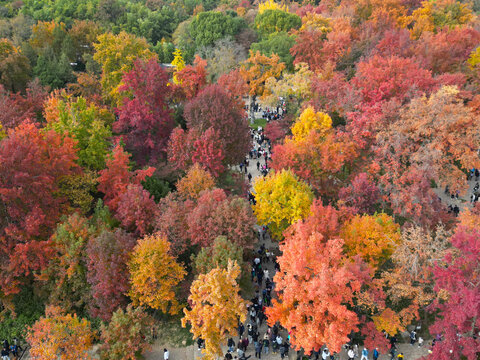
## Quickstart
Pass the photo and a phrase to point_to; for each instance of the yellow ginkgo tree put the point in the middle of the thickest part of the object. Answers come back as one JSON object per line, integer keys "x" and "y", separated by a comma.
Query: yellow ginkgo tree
{"x": 216, "y": 307}
{"x": 282, "y": 199}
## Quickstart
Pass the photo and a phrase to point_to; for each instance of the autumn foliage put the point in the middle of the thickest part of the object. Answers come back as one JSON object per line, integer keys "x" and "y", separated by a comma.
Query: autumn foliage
{"x": 60, "y": 336}
{"x": 216, "y": 308}
{"x": 154, "y": 275}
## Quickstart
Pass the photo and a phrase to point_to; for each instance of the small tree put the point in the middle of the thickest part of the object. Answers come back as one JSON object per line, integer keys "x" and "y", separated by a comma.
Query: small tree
{"x": 127, "y": 335}
{"x": 60, "y": 337}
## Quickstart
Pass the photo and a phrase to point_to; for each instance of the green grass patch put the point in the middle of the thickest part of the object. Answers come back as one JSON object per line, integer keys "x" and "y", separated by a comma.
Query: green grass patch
{"x": 258, "y": 122}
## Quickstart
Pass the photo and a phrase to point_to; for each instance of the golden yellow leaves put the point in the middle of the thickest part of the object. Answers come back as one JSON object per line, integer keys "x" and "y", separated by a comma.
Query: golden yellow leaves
{"x": 271, "y": 5}
{"x": 155, "y": 275}
{"x": 309, "y": 121}
{"x": 216, "y": 308}
{"x": 282, "y": 199}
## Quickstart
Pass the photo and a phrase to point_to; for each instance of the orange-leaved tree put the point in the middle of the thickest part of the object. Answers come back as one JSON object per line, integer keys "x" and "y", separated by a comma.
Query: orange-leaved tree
{"x": 315, "y": 289}
{"x": 155, "y": 274}
{"x": 216, "y": 307}
{"x": 194, "y": 182}
{"x": 59, "y": 336}
{"x": 258, "y": 68}
{"x": 374, "y": 238}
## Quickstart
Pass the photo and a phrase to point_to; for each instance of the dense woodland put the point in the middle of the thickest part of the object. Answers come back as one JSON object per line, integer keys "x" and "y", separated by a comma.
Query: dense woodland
{"x": 121, "y": 204}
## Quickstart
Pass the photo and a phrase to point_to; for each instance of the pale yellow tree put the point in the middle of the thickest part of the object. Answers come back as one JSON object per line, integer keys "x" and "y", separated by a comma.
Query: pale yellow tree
{"x": 216, "y": 307}
{"x": 296, "y": 84}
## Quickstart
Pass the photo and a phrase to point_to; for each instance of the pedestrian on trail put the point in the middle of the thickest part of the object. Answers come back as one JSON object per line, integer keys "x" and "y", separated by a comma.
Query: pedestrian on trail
{"x": 166, "y": 354}
{"x": 350, "y": 354}
{"x": 375, "y": 354}
{"x": 266, "y": 343}
{"x": 258, "y": 350}
{"x": 364, "y": 354}
{"x": 249, "y": 177}
{"x": 258, "y": 165}
{"x": 413, "y": 337}
{"x": 230, "y": 344}
{"x": 241, "y": 330}
{"x": 325, "y": 354}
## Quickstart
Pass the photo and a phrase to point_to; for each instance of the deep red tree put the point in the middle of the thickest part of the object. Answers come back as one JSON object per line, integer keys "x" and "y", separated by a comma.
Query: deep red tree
{"x": 136, "y": 210}
{"x": 214, "y": 108}
{"x": 216, "y": 214}
{"x": 145, "y": 118}
{"x": 458, "y": 286}
{"x": 108, "y": 256}
{"x": 189, "y": 147}
{"x": 32, "y": 163}
{"x": 192, "y": 78}
{"x": 115, "y": 178}
{"x": 362, "y": 194}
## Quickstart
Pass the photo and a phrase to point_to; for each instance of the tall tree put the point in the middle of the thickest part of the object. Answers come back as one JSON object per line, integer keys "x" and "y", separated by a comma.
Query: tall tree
{"x": 144, "y": 117}
{"x": 114, "y": 180}
{"x": 374, "y": 238}
{"x": 428, "y": 145}
{"x": 155, "y": 274}
{"x": 315, "y": 289}
{"x": 218, "y": 255}
{"x": 258, "y": 68}
{"x": 172, "y": 221}
{"x": 87, "y": 123}
{"x": 60, "y": 336}
{"x": 127, "y": 335}
{"x": 457, "y": 284}
{"x": 206, "y": 149}
{"x": 31, "y": 165}
{"x": 107, "y": 259}
{"x": 136, "y": 210}
{"x": 215, "y": 214}
{"x": 194, "y": 182}
{"x": 14, "y": 67}
{"x": 67, "y": 270}
{"x": 216, "y": 307}
{"x": 213, "y": 108}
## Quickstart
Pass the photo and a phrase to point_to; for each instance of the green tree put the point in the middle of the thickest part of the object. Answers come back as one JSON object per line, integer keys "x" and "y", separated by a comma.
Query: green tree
{"x": 53, "y": 71}
{"x": 217, "y": 255}
{"x": 208, "y": 27}
{"x": 87, "y": 123}
{"x": 277, "y": 43}
{"x": 271, "y": 21}
{"x": 14, "y": 67}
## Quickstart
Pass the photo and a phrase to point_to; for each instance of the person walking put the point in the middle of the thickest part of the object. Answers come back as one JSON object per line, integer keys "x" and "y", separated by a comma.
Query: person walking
{"x": 375, "y": 354}
{"x": 166, "y": 354}
{"x": 364, "y": 354}
{"x": 325, "y": 354}
{"x": 413, "y": 337}
{"x": 266, "y": 344}
{"x": 350, "y": 353}
{"x": 230, "y": 344}
{"x": 258, "y": 350}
